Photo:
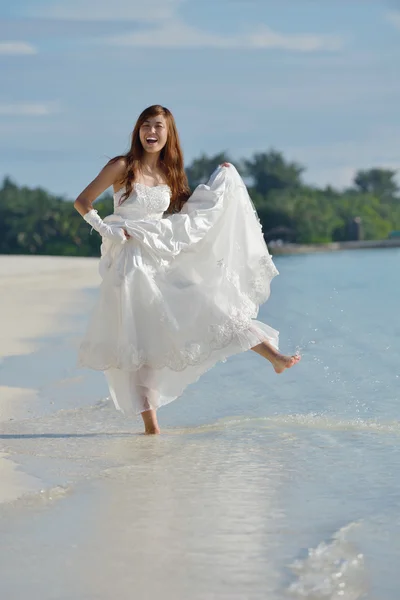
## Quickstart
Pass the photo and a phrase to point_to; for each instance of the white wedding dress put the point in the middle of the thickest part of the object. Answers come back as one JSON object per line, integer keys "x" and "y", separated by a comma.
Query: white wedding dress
{"x": 181, "y": 294}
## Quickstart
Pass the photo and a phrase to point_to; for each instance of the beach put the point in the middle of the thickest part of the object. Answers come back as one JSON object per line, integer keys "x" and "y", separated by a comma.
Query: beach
{"x": 260, "y": 486}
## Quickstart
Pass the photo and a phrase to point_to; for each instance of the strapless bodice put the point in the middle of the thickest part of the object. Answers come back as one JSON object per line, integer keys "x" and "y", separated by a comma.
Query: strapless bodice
{"x": 144, "y": 202}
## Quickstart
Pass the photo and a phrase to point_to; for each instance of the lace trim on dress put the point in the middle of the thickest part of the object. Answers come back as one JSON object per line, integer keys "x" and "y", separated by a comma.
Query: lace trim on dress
{"x": 194, "y": 353}
{"x": 154, "y": 202}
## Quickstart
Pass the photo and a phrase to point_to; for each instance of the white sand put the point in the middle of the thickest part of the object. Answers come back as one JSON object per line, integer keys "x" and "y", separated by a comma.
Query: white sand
{"x": 219, "y": 506}
{"x": 37, "y": 293}
{"x": 14, "y": 482}
{"x": 35, "y": 290}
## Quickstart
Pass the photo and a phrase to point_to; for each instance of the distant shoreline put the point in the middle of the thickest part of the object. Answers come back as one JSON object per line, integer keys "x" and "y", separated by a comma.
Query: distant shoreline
{"x": 332, "y": 246}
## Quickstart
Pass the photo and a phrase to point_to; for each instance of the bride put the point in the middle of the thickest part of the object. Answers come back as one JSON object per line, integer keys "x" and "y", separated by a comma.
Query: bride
{"x": 183, "y": 275}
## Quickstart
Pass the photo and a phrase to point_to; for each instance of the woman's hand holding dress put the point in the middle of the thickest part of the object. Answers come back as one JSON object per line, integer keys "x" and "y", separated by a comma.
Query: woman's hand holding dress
{"x": 115, "y": 233}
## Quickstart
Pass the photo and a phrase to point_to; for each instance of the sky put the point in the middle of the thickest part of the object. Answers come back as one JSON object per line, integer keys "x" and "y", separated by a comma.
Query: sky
{"x": 318, "y": 80}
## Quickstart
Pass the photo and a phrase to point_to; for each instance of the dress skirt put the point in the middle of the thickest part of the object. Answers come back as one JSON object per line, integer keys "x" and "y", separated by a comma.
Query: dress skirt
{"x": 180, "y": 295}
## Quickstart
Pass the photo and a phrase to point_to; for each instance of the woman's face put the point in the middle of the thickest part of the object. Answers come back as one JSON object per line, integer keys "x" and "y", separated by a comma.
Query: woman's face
{"x": 153, "y": 134}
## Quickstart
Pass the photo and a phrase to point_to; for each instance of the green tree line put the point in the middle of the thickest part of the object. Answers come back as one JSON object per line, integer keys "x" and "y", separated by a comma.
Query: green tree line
{"x": 33, "y": 221}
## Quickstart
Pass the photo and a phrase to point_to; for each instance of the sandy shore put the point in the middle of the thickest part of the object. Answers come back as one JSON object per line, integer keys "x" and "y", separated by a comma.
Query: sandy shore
{"x": 89, "y": 507}
{"x": 39, "y": 295}
{"x": 251, "y": 468}
{"x": 35, "y": 290}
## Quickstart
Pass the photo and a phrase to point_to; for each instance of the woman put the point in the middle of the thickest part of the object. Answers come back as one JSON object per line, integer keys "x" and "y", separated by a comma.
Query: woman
{"x": 183, "y": 275}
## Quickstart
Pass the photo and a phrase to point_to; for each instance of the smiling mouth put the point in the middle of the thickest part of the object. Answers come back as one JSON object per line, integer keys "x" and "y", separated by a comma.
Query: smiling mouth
{"x": 151, "y": 140}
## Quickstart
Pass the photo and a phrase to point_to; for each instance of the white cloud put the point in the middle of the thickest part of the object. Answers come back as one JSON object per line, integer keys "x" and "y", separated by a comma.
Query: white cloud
{"x": 25, "y": 110}
{"x": 337, "y": 163}
{"x": 374, "y": 150}
{"x": 105, "y": 10}
{"x": 394, "y": 18}
{"x": 267, "y": 38}
{"x": 168, "y": 31}
{"x": 338, "y": 177}
{"x": 342, "y": 177}
{"x": 174, "y": 33}
{"x": 16, "y": 48}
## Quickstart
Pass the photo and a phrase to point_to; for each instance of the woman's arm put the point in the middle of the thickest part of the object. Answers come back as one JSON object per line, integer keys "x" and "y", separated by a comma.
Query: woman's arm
{"x": 109, "y": 175}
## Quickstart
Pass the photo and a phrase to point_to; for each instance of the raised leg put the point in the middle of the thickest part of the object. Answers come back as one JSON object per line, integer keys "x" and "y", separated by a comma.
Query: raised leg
{"x": 279, "y": 361}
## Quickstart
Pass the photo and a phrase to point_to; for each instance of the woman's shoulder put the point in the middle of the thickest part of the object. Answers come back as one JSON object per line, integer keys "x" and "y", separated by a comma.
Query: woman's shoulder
{"x": 116, "y": 168}
{"x": 118, "y": 164}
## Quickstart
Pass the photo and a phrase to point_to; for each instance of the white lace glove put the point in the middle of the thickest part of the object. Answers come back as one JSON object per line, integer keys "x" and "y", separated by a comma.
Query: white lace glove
{"x": 111, "y": 232}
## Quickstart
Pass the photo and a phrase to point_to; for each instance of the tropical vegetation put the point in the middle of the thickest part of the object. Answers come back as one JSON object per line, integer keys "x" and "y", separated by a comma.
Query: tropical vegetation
{"x": 34, "y": 221}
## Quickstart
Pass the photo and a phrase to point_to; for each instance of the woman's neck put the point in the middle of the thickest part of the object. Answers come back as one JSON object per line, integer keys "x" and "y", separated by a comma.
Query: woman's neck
{"x": 150, "y": 163}
{"x": 150, "y": 169}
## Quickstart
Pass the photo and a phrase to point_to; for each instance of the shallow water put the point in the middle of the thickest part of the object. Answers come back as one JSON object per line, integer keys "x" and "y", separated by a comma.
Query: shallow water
{"x": 261, "y": 486}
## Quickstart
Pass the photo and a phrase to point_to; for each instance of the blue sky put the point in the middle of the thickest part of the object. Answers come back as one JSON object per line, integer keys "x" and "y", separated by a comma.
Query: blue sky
{"x": 318, "y": 80}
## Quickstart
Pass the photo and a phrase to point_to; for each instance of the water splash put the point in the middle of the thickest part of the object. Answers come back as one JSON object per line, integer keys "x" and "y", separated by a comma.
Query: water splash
{"x": 331, "y": 571}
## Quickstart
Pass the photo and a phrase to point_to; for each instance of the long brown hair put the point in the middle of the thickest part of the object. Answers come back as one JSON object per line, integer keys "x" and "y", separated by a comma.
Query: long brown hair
{"x": 171, "y": 159}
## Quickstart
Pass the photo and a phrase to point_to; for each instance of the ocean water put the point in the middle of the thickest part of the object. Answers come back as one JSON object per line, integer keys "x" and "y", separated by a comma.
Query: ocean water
{"x": 260, "y": 487}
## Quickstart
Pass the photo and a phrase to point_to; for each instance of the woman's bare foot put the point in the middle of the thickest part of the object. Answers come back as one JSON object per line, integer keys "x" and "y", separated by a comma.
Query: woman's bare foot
{"x": 150, "y": 422}
{"x": 282, "y": 362}
{"x": 152, "y": 431}
{"x": 279, "y": 361}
